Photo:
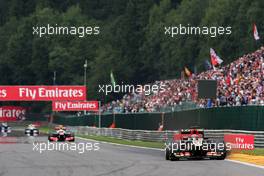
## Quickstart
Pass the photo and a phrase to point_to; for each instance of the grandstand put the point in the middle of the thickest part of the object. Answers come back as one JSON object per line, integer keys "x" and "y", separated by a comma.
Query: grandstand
{"x": 240, "y": 82}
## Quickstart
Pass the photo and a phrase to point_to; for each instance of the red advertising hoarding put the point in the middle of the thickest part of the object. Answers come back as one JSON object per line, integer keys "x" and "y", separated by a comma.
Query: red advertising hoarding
{"x": 240, "y": 141}
{"x": 42, "y": 93}
{"x": 75, "y": 106}
{"x": 12, "y": 113}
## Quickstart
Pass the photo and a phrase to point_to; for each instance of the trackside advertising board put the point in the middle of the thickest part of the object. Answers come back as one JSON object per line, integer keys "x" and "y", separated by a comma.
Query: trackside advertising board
{"x": 240, "y": 141}
{"x": 75, "y": 106}
{"x": 12, "y": 113}
{"x": 42, "y": 93}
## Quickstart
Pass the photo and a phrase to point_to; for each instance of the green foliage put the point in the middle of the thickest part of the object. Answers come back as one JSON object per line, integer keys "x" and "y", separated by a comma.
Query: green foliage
{"x": 131, "y": 41}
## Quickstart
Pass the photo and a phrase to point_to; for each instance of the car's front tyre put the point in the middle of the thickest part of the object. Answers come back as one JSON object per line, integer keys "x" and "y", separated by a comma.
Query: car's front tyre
{"x": 167, "y": 154}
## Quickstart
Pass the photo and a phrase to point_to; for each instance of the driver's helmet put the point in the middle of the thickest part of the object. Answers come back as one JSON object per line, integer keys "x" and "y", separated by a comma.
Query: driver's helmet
{"x": 60, "y": 127}
{"x": 61, "y": 132}
{"x": 31, "y": 126}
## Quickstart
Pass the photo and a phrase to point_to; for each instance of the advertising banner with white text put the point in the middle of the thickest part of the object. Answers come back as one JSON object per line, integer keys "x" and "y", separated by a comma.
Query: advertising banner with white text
{"x": 42, "y": 93}
{"x": 12, "y": 113}
{"x": 75, "y": 106}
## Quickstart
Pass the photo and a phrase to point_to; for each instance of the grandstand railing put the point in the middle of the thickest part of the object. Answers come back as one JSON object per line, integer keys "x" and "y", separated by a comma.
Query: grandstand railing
{"x": 186, "y": 105}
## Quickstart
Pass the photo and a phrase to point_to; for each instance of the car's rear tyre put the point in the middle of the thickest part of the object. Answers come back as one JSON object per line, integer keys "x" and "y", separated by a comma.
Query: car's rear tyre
{"x": 222, "y": 157}
{"x": 167, "y": 154}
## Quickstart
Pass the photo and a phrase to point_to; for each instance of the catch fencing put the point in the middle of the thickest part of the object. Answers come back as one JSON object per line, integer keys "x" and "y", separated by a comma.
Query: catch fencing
{"x": 160, "y": 136}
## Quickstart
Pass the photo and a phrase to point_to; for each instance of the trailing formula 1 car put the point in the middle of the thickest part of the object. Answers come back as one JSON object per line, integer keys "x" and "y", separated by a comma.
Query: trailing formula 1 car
{"x": 191, "y": 144}
{"x": 61, "y": 134}
{"x": 5, "y": 128}
{"x": 31, "y": 130}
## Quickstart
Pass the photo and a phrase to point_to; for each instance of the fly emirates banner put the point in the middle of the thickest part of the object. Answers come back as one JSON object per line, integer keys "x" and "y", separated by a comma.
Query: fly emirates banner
{"x": 12, "y": 113}
{"x": 42, "y": 93}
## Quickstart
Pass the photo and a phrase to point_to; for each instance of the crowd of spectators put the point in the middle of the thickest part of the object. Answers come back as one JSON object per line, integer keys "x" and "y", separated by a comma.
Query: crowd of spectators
{"x": 238, "y": 83}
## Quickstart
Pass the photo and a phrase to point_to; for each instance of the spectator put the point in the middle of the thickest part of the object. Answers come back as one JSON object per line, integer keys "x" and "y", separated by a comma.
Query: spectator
{"x": 239, "y": 83}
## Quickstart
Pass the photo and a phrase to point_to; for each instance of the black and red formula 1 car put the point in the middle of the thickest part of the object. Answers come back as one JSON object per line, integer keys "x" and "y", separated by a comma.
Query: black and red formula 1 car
{"x": 61, "y": 134}
{"x": 191, "y": 144}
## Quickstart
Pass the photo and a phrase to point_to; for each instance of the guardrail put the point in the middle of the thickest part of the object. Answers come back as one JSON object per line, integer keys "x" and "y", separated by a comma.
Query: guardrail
{"x": 160, "y": 136}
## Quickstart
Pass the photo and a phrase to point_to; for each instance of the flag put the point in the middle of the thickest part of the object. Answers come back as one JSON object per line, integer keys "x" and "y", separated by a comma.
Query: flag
{"x": 255, "y": 32}
{"x": 207, "y": 65}
{"x": 85, "y": 64}
{"x": 187, "y": 71}
{"x": 195, "y": 70}
{"x": 182, "y": 74}
{"x": 215, "y": 60}
{"x": 113, "y": 125}
{"x": 160, "y": 127}
{"x": 112, "y": 79}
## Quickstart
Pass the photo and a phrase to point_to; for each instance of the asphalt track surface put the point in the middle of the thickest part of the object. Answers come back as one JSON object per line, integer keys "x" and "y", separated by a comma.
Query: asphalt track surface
{"x": 18, "y": 158}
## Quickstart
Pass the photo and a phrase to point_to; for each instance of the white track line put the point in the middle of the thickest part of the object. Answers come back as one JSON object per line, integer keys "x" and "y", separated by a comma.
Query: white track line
{"x": 132, "y": 146}
{"x": 244, "y": 163}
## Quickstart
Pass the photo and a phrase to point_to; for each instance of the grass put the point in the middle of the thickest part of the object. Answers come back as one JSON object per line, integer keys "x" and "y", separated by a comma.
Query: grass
{"x": 159, "y": 145}
{"x": 44, "y": 129}
{"x": 255, "y": 152}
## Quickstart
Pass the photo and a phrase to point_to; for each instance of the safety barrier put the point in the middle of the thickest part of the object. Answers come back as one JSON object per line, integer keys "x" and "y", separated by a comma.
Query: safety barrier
{"x": 160, "y": 136}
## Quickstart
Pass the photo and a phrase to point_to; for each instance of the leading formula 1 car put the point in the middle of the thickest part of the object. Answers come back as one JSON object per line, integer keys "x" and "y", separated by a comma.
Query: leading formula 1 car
{"x": 191, "y": 144}
{"x": 5, "y": 128}
{"x": 61, "y": 134}
{"x": 31, "y": 130}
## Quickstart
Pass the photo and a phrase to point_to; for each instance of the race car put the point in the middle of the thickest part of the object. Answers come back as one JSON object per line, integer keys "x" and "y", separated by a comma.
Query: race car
{"x": 61, "y": 134}
{"x": 191, "y": 144}
{"x": 5, "y": 128}
{"x": 31, "y": 130}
